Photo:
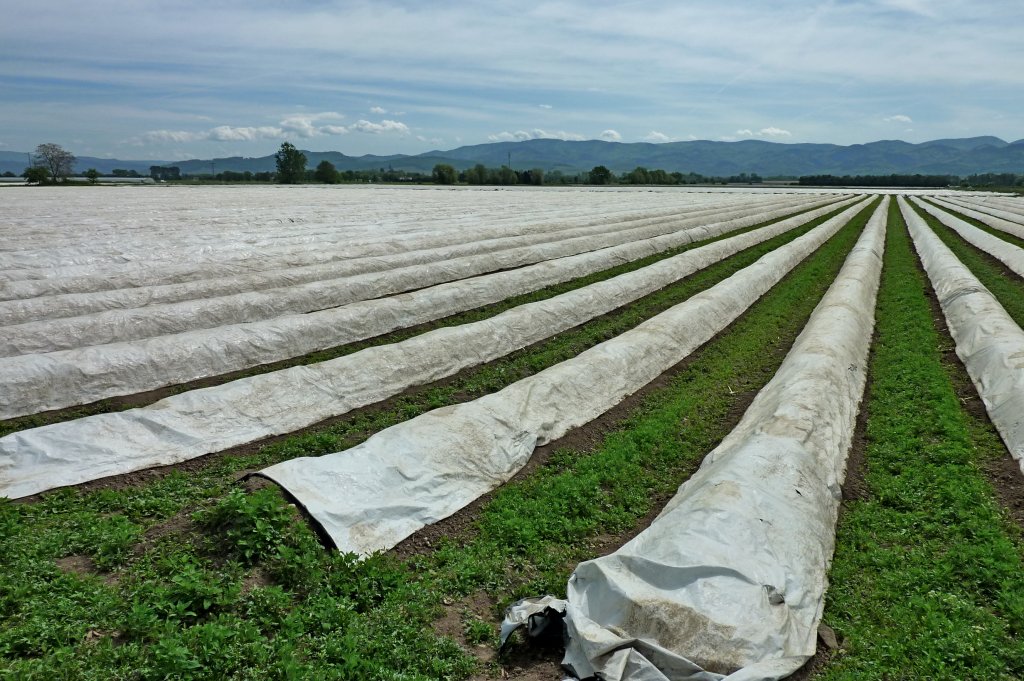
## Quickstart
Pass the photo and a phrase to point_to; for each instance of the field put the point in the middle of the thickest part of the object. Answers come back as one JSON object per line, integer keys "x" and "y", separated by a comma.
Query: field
{"x": 335, "y": 432}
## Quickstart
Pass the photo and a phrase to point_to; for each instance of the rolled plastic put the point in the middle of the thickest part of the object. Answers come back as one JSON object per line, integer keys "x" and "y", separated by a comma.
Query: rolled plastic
{"x": 728, "y": 582}
{"x": 185, "y": 426}
{"x": 39, "y": 382}
{"x": 413, "y": 474}
{"x": 988, "y": 341}
{"x": 1008, "y": 254}
{"x": 993, "y": 218}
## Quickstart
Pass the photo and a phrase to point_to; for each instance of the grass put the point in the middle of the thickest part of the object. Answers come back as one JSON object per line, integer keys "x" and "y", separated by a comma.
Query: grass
{"x": 1005, "y": 236}
{"x": 110, "y": 405}
{"x": 927, "y": 580}
{"x": 188, "y": 577}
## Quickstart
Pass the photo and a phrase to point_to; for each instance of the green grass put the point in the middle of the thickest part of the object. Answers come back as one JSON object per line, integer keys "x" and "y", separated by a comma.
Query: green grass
{"x": 204, "y": 582}
{"x": 1006, "y": 286}
{"x": 110, "y": 405}
{"x": 927, "y": 580}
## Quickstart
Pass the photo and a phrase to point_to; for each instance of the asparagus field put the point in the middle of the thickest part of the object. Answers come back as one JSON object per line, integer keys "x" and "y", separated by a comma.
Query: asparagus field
{"x": 359, "y": 432}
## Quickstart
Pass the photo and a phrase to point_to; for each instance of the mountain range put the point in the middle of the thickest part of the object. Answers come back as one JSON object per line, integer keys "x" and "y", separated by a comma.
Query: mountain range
{"x": 963, "y": 156}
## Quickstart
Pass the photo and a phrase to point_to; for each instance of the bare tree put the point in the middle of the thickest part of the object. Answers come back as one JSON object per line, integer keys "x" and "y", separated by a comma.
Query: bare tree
{"x": 58, "y": 161}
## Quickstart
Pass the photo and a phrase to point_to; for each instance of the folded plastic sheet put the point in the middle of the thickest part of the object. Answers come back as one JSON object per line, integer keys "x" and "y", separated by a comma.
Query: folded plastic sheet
{"x": 988, "y": 341}
{"x": 996, "y": 219}
{"x": 729, "y": 580}
{"x": 413, "y": 474}
{"x": 55, "y": 380}
{"x": 77, "y": 304}
{"x": 198, "y": 422}
{"x": 156, "y": 320}
{"x": 1000, "y": 249}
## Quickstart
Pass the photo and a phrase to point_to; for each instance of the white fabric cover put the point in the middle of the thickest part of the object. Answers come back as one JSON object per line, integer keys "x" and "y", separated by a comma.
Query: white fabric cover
{"x": 198, "y": 422}
{"x": 995, "y": 219}
{"x": 55, "y": 380}
{"x": 1010, "y": 255}
{"x": 988, "y": 341}
{"x": 372, "y": 496}
{"x": 729, "y": 580}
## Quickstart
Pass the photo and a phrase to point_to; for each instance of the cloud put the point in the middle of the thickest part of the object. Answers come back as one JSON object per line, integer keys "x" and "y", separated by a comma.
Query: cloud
{"x": 763, "y": 132}
{"x": 535, "y": 134}
{"x": 379, "y": 128}
{"x": 657, "y": 137}
{"x": 898, "y": 118}
{"x": 545, "y": 106}
{"x": 378, "y": 110}
{"x": 611, "y": 136}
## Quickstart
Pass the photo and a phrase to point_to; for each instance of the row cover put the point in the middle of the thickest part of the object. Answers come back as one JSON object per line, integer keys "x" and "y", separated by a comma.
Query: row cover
{"x": 74, "y": 304}
{"x": 201, "y": 249}
{"x": 993, "y": 221}
{"x": 55, "y": 380}
{"x": 325, "y": 250}
{"x": 1010, "y": 255}
{"x": 410, "y": 475}
{"x": 729, "y": 580}
{"x": 199, "y": 422}
{"x": 988, "y": 341}
{"x": 251, "y": 306}
{"x": 1010, "y": 209}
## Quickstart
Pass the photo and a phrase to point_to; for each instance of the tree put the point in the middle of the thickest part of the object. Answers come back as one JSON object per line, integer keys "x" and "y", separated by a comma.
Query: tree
{"x": 291, "y": 164}
{"x": 444, "y": 174}
{"x": 36, "y": 175}
{"x": 326, "y": 173}
{"x": 92, "y": 175}
{"x": 600, "y": 175}
{"x": 59, "y": 163}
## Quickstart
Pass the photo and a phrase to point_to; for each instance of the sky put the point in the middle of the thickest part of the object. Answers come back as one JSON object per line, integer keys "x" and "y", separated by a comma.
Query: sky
{"x": 159, "y": 80}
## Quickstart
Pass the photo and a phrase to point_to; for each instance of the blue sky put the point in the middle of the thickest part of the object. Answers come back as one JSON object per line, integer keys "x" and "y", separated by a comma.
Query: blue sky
{"x": 175, "y": 80}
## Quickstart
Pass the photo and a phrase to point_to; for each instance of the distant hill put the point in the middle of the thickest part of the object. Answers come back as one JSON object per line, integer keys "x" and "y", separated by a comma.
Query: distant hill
{"x": 937, "y": 157}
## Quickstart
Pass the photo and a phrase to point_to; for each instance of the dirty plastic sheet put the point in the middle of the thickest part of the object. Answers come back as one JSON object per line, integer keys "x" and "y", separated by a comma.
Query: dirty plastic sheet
{"x": 198, "y": 422}
{"x": 728, "y": 582}
{"x": 157, "y": 320}
{"x": 1000, "y": 249}
{"x": 413, "y": 474}
{"x": 77, "y": 304}
{"x": 988, "y": 341}
{"x": 55, "y": 380}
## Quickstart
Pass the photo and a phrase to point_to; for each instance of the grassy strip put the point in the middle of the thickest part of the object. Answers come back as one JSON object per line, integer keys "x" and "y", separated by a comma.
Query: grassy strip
{"x": 927, "y": 581}
{"x": 1006, "y": 286}
{"x": 119, "y": 404}
{"x": 1005, "y": 236}
{"x": 243, "y": 588}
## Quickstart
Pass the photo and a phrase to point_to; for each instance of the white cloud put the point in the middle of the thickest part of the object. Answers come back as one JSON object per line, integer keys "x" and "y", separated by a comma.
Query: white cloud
{"x": 378, "y": 110}
{"x": 611, "y": 136}
{"x": 379, "y": 128}
{"x": 535, "y": 134}
{"x": 898, "y": 118}
{"x": 657, "y": 137}
{"x": 227, "y": 133}
{"x": 545, "y": 106}
{"x": 764, "y": 132}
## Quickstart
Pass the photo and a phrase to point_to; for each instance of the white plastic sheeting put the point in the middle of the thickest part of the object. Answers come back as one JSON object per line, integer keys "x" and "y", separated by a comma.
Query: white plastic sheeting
{"x": 119, "y": 325}
{"x": 729, "y": 580}
{"x": 988, "y": 341}
{"x": 372, "y": 496}
{"x": 55, "y": 380}
{"x": 76, "y": 304}
{"x": 199, "y": 422}
{"x": 992, "y": 220}
{"x": 1010, "y": 255}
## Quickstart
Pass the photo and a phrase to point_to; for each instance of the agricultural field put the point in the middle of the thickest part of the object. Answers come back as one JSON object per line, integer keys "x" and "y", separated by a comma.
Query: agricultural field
{"x": 341, "y": 432}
